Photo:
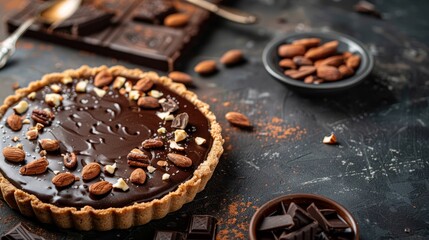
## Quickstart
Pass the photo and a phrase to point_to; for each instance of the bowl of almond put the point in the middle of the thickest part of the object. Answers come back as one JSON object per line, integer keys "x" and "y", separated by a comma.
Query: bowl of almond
{"x": 318, "y": 62}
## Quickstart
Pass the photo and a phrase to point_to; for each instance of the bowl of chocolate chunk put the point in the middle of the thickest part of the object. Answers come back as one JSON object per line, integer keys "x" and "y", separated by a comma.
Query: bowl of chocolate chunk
{"x": 302, "y": 216}
{"x": 318, "y": 62}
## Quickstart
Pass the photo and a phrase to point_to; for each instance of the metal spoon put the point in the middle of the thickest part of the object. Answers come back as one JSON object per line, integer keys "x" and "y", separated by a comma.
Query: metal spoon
{"x": 52, "y": 13}
{"x": 228, "y": 13}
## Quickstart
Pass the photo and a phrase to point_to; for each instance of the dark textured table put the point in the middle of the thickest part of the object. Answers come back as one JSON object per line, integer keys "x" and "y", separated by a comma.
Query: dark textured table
{"x": 380, "y": 169}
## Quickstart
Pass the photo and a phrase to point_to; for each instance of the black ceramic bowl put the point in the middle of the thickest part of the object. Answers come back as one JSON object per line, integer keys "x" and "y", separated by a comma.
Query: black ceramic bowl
{"x": 303, "y": 200}
{"x": 271, "y": 59}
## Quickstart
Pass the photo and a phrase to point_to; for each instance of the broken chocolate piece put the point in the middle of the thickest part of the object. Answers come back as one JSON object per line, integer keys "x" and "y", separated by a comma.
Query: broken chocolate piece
{"x": 202, "y": 227}
{"x": 276, "y": 222}
{"x": 169, "y": 235}
{"x": 169, "y": 106}
{"x": 19, "y": 232}
{"x": 180, "y": 121}
{"x": 305, "y": 233}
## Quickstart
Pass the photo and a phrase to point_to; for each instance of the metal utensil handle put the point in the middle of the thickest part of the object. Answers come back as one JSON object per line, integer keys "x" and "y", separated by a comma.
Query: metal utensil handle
{"x": 228, "y": 13}
{"x": 7, "y": 47}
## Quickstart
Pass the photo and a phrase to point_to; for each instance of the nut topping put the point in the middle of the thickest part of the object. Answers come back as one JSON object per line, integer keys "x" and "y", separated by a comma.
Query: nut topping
{"x": 21, "y": 107}
{"x": 328, "y": 73}
{"x": 91, "y": 171}
{"x": 179, "y": 160}
{"x": 180, "y": 121}
{"x": 290, "y": 51}
{"x": 42, "y": 116}
{"x": 232, "y": 57}
{"x": 169, "y": 106}
{"x": 180, "y": 135}
{"x": 100, "y": 188}
{"x": 143, "y": 84}
{"x": 238, "y": 119}
{"x": 63, "y": 179}
{"x": 175, "y": 146}
{"x": 119, "y": 82}
{"x": 36, "y": 167}
{"x": 121, "y": 184}
{"x": 180, "y": 77}
{"x": 110, "y": 168}
{"x": 49, "y": 144}
{"x": 138, "y": 176}
{"x": 81, "y": 86}
{"x": 307, "y": 42}
{"x": 103, "y": 78}
{"x": 137, "y": 158}
{"x": 53, "y": 99}
{"x": 200, "y": 141}
{"x": 152, "y": 143}
{"x": 353, "y": 61}
{"x": 14, "y": 154}
{"x": 70, "y": 160}
{"x": 14, "y": 122}
{"x": 332, "y": 139}
{"x": 148, "y": 102}
{"x": 32, "y": 134}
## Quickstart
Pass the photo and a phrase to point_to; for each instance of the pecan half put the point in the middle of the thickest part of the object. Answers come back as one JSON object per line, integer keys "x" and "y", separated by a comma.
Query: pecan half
{"x": 91, "y": 171}
{"x": 42, "y": 116}
{"x": 138, "y": 176}
{"x": 180, "y": 121}
{"x": 143, "y": 84}
{"x": 179, "y": 160}
{"x": 36, "y": 167}
{"x": 14, "y": 154}
{"x": 50, "y": 145}
{"x": 137, "y": 158}
{"x": 63, "y": 179}
{"x": 152, "y": 143}
{"x": 70, "y": 160}
{"x": 14, "y": 121}
{"x": 103, "y": 78}
{"x": 100, "y": 188}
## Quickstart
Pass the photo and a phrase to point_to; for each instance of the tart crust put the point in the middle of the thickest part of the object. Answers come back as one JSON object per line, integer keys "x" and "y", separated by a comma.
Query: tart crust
{"x": 88, "y": 218}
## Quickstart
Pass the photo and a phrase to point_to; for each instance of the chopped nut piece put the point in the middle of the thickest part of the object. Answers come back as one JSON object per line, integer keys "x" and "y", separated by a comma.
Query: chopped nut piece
{"x": 128, "y": 86}
{"x": 151, "y": 169}
{"x": 161, "y": 130}
{"x": 134, "y": 95}
{"x": 53, "y": 99}
{"x": 20, "y": 146}
{"x": 15, "y": 139}
{"x": 175, "y": 146}
{"x": 165, "y": 176}
{"x": 110, "y": 168}
{"x": 32, "y": 134}
{"x": 119, "y": 82}
{"x": 21, "y": 107}
{"x": 162, "y": 163}
{"x": 180, "y": 135}
{"x": 332, "y": 139}
{"x": 162, "y": 100}
{"x": 38, "y": 126}
{"x": 43, "y": 153}
{"x": 69, "y": 160}
{"x": 56, "y": 88}
{"x": 67, "y": 80}
{"x": 170, "y": 117}
{"x": 100, "y": 92}
{"x": 162, "y": 115}
{"x": 31, "y": 95}
{"x": 49, "y": 144}
{"x": 26, "y": 121}
{"x": 155, "y": 93}
{"x": 121, "y": 184}
{"x": 56, "y": 172}
{"x": 200, "y": 140}
{"x": 81, "y": 86}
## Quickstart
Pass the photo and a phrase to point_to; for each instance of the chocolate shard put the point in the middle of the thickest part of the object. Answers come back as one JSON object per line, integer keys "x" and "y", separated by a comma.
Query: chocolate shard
{"x": 180, "y": 121}
{"x": 299, "y": 215}
{"x": 169, "y": 106}
{"x": 316, "y": 214}
{"x": 202, "y": 227}
{"x": 307, "y": 232}
{"x": 333, "y": 219}
{"x": 20, "y": 232}
{"x": 169, "y": 235}
{"x": 276, "y": 222}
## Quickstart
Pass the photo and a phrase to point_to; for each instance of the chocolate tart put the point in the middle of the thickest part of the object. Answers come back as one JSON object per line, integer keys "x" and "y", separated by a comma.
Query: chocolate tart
{"x": 72, "y": 142}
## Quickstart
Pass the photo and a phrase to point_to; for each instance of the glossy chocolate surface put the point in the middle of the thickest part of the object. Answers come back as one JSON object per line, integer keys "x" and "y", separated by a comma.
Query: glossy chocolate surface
{"x": 104, "y": 130}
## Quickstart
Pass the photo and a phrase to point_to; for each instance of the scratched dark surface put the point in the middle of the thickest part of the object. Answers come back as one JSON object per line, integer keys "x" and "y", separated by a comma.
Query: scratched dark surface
{"x": 380, "y": 169}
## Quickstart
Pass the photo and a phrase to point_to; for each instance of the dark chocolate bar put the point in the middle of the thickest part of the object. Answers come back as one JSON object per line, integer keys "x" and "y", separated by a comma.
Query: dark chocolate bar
{"x": 169, "y": 235}
{"x": 202, "y": 227}
{"x": 132, "y": 30}
{"x": 20, "y": 232}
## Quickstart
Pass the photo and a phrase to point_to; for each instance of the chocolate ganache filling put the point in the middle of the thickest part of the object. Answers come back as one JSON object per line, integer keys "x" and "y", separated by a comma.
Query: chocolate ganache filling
{"x": 104, "y": 130}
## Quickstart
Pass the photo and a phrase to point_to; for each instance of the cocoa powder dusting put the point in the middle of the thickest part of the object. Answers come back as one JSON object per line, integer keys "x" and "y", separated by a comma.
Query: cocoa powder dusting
{"x": 276, "y": 129}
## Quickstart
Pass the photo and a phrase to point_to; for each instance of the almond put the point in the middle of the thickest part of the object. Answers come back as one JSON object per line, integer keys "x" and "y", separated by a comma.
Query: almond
{"x": 91, "y": 171}
{"x": 63, "y": 179}
{"x": 14, "y": 154}
{"x": 138, "y": 176}
{"x": 302, "y": 72}
{"x": 290, "y": 51}
{"x": 347, "y": 55}
{"x": 49, "y": 144}
{"x": 328, "y": 73}
{"x": 152, "y": 143}
{"x": 100, "y": 188}
{"x": 287, "y": 63}
{"x": 148, "y": 102}
{"x": 14, "y": 122}
{"x": 238, "y": 119}
{"x": 180, "y": 77}
{"x": 70, "y": 160}
{"x": 302, "y": 61}
{"x": 331, "y": 44}
{"x": 335, "y": 61}
{"x": 320, "y": 52}
{"x": 206, "y": 67}
{"x": 232, "y": 57}
{"x": 176, "y": 20}
{"x": 103, "y": 78}
{"x": 179, "y": 160}
{"x": 143, "y": 84}
{"x": 307, "y": 42}
{"x": 36, "y": 167}
{"x": 346, "y": 71}
{"x": 353, "y": 61}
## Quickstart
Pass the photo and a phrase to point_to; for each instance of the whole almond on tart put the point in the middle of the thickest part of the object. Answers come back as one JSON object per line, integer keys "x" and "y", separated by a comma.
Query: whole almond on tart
{"x": 206, "y": 67}
{"x": 148, "y": 102}
{"x": 176, "y": 20}
{"x": 14, "y": 122}
{"x": 179, "y": 160}
{"x": 180, "y": 77}
{"x": 49, "y": 144}
{"x": 13, "y": 154}
{"x": 238, "y": 119}
{"x": 232, "y": 57}
{"x": 91, "y": 171}
{"x": 143, "y": 84}
{"x": 63, "y": 179}
{"x": 100, "y": 188}
{"x": 35, "y": 167}
{"x": 138, "y": 176}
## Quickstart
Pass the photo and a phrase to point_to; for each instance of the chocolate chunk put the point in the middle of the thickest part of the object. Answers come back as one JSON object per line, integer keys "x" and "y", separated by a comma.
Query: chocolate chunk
{"x": 276, "y": 222}
{"x": 299, "y": 215}
{"x": 169, "y": 235}
{"x": 316, "y": 214}
{"x": 202, "y": 227}
{"x": 169, "y": 106}
{"x": 180, "y": 121}
{"x": 307, "y": 232}
{"x": 20, "y": 232}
